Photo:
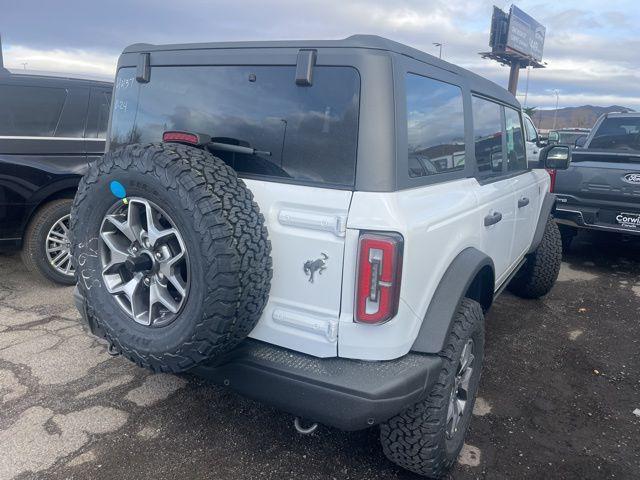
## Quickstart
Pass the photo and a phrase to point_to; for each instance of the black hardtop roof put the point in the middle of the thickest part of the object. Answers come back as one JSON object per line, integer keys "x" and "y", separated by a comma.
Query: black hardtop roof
{"x": 373, "y": 42}
{"x": 68, "y": 78}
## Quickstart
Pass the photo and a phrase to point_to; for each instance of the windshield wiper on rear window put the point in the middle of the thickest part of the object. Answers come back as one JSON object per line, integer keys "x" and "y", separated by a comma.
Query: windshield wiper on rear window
{"x": 228, "y": 147}
{"x": 226, "y": 144}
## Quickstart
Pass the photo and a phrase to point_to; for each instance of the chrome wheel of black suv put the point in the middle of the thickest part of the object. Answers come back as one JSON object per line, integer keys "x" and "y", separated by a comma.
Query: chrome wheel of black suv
{"x": 47, "y": 249}
{"x": 58, "y": 247}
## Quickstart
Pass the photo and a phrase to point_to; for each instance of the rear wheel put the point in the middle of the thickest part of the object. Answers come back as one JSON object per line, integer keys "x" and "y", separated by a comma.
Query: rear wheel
{"x": 46, "y": 250}
{"x": 427, "y": 437}
{"x": 540, "y": 271}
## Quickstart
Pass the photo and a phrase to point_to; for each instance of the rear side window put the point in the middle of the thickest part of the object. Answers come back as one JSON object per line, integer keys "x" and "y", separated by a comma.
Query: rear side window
{"x": 98, "y": 113}
{"x": 102, "y": 107}
{"x": 435, "y": 126}
{"x": 30, "y": 111}
{"x": 305, "y": 134}
{"x": 516, "y": 152}
{"x": 617, "y": 133}
{"x": 487, "y": 137}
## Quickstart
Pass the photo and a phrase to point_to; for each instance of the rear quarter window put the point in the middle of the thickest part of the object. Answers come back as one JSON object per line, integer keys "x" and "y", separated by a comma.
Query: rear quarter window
{"x": 309, "y": 133}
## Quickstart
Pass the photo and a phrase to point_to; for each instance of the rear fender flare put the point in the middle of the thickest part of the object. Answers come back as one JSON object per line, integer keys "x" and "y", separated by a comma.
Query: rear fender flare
{"x": 453, "y": 287}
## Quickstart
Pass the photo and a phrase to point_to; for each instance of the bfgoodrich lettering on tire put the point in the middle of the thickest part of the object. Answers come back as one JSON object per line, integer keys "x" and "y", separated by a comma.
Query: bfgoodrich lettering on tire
{"x": 178, "y": 270}
{"x": 427, "y": 437}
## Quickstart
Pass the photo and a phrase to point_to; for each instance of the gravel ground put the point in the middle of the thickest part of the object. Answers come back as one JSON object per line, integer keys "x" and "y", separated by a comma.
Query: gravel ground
{"x": 557, "y": 396}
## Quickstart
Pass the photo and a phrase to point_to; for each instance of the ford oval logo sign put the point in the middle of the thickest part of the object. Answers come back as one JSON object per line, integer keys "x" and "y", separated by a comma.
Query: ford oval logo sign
{"x": 632, "y": 178}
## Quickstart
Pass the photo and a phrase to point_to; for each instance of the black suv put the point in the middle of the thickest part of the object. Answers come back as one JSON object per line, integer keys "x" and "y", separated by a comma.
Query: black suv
{"x": 50, "y": 128}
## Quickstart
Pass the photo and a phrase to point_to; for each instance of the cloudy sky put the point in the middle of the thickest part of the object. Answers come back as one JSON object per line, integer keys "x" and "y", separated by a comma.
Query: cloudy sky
{"x": 592, "y": 46}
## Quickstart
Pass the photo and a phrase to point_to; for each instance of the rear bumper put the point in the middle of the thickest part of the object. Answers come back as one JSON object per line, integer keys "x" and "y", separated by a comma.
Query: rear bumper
{"x": 589, "y": 218}
{"x": 342, "y": 393}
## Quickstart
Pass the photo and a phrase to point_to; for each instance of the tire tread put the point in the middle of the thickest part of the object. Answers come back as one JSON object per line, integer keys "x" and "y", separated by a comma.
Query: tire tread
{"x": 235, "y": 248}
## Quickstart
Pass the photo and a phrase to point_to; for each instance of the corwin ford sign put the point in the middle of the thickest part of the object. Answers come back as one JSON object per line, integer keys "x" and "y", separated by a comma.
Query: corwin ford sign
{"x": 525, "y": 35}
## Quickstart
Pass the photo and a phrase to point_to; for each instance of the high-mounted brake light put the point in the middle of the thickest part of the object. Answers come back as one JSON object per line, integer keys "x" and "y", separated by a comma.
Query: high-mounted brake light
{"x": 552, "y": 174}
{"x": 181, "y": 137}
{"x": 197, "y": 139}
{"x": 379, "y": 273}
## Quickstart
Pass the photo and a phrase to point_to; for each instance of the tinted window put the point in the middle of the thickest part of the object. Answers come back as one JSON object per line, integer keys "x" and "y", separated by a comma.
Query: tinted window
{"x": 124, "y": 109}
{"x": 435, "y": 126}
{"x": 98, "y": 113}
{"x": 516, "y": 154}
{"x": 487, "y": 136}
{"x": 569, "y": 138}
{"x": 306, "y": 133}
{"x": 621, "y": 133}
{"x": 30, "y": 111}
{"x": 104, "y": 103}
{"x": 530, "y": 130}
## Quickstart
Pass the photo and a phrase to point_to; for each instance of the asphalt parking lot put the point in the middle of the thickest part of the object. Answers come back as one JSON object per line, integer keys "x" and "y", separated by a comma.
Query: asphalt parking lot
{"x": 557, "y": 399}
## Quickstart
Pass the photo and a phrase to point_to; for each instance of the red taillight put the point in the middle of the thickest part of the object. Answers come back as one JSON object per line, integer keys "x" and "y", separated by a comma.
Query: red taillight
{"x": 379, "y": 273}
{"x": 181, "y": 137}
{"x": 552, "y": 174}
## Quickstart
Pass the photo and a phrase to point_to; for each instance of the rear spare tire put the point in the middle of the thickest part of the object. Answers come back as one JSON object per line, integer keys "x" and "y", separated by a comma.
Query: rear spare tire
{"x": 171, "y": 253}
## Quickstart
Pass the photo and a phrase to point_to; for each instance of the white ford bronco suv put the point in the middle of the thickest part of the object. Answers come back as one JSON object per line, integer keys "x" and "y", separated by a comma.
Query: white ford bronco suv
{"x": 317, "y": 225}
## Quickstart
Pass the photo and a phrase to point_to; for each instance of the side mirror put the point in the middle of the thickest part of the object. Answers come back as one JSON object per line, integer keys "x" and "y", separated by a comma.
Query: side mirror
{"x": 555, "y": 157}
{"x": 542, "y": 142}
{"x": 581, "y": 140}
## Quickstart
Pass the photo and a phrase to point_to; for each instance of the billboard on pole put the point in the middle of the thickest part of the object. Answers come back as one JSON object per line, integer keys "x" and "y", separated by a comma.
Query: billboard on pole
{"x": 525, "y": 35}
{"x": 516, "y": 36}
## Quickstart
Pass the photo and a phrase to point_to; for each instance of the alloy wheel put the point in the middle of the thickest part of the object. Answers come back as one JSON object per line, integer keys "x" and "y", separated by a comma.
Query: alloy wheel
{"x": 58, "y": 247}
{"x": 460, "y": 395}
{"x": 145, "y": 265}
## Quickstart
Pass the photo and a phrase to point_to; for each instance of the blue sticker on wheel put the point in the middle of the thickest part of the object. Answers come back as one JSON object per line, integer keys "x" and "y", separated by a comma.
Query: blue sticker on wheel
{"x": 117, "y": 189}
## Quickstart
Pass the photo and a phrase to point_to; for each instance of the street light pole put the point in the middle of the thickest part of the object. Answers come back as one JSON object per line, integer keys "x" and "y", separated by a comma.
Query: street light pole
{"x": 439, "y": 45}
{"x": 555, "y": 114}
{"x": 526, "y": 88}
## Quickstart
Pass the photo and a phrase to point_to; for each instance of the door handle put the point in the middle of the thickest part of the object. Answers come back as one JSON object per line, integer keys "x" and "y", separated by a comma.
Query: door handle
{"x": 523, "y": 202}
{"x": 492, "y": 219}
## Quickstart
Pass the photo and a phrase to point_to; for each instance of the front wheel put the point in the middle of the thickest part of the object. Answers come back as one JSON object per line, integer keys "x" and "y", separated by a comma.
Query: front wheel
{"x": 540, "y": 271}
{"x": 427, "y": 437}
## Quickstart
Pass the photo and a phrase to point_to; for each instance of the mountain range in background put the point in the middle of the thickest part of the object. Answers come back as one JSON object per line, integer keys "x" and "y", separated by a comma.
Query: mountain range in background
{"x": 583, "y": 117}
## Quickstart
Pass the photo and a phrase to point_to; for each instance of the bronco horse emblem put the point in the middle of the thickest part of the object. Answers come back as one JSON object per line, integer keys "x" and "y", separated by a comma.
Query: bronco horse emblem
{"x": 312, "y": 266}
